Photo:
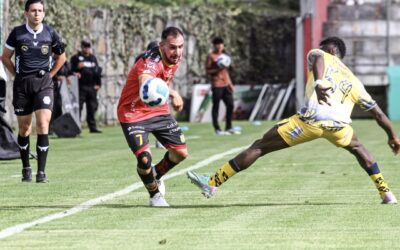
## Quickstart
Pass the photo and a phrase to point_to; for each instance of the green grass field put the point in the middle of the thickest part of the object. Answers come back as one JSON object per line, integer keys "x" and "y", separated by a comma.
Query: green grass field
{"x": 313, "y": 196}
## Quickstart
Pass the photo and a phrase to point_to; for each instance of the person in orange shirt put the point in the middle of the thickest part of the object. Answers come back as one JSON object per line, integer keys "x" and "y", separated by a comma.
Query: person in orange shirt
{"x": 222, "y": 87}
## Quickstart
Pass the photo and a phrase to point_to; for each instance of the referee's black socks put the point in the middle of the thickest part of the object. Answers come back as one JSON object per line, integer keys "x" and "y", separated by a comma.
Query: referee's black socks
{"x": 23, "y": 143}
{"x": 42, "y": 148}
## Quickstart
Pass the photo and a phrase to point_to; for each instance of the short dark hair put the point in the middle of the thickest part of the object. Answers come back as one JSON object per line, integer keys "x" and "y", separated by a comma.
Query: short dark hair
{"x": 217, "y": 40}
{"x": 336, "y": 41}
{"x": 171, "y": 31}
{"x": 85, "y": 44}
{"x": 29, "y": 2}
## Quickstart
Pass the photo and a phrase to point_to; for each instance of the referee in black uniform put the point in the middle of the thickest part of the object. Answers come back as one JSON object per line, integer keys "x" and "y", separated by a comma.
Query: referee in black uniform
{"x": 33, "y": 43}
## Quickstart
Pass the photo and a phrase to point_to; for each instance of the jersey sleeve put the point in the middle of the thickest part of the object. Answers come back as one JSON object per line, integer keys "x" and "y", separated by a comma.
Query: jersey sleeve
{"x": 312, "y": 55}
{"x": 364, "y": 99}
{"x": 57, "y": 44}
{"x": 11, "y": 42}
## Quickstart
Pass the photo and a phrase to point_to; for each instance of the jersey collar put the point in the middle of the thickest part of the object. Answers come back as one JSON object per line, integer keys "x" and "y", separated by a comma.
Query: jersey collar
{"x": 32, "y": 31}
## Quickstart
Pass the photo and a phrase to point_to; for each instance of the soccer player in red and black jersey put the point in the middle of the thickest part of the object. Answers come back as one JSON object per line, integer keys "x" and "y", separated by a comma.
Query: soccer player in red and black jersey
{"x": 138, "y": 120}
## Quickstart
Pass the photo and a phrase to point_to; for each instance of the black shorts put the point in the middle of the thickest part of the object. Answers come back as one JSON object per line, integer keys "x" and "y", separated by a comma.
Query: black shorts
{"x": 164, "y": 128}
{"x": 32, "y": 93}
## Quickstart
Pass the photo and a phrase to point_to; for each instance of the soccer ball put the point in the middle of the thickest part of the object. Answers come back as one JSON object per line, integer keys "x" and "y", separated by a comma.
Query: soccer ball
{"x": 154, "y": 92}
{"x": 223, "y": 61}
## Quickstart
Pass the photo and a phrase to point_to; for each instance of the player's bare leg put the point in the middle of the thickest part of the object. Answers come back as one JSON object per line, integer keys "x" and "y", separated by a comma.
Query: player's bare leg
{"x": 271, "y": 141}
{"x": 368, "y": 163}
{"x": 171, "y": 158}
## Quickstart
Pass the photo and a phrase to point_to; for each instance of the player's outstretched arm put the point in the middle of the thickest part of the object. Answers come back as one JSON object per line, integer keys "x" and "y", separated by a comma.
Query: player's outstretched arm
{"x": 176, "y": 100}
{"x": 384, "y": 122}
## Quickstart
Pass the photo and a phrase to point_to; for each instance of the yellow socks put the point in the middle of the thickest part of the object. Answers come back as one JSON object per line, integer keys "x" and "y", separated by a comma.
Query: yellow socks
{"x": 222, "y": 175}
{"x": 377, "y": 177}
{"x": 380, "y": 183}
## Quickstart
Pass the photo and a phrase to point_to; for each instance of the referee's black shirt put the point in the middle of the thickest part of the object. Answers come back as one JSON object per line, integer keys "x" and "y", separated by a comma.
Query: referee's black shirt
{"x": 33, "y": 50}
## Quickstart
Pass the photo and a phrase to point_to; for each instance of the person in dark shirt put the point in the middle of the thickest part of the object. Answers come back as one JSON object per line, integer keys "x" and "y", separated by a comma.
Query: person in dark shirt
{"x": 85, "y": 66}
{"x": 33, "y": 44}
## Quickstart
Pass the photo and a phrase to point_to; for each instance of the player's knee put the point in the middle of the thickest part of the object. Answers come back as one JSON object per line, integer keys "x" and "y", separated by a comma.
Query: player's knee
{"x": 24, "y": 129}
{"x": 144, "y": 160}
{"x": 179, "y": 155}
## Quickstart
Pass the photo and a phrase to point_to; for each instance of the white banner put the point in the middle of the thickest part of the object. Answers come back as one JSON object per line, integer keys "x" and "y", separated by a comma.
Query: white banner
{"x": 69, "y": 91}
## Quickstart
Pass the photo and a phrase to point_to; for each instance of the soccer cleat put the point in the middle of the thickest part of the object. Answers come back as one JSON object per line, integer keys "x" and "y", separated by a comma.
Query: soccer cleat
{"x": 232, "y": 132}
{"x": 389, "y": 198}
{"x": 219, "y": 132}
{"x": 41, "y": 177}
{"x": 27, "y": 174}
{"x": 160, "y": 182}
{"x": 202, "y": 182}
{"x": 158, "y": 200}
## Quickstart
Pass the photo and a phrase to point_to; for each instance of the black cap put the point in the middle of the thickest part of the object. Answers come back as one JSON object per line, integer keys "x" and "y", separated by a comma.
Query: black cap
{"x": 85, "y": 44}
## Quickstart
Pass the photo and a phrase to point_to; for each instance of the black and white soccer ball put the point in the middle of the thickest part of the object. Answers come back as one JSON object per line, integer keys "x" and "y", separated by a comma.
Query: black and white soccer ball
{"x": 154, "y": 92}
{"x": 224, "y": 61}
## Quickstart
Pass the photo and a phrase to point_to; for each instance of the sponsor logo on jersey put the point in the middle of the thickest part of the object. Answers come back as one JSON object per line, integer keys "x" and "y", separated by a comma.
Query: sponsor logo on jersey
{"x": 45, "y": 49}
{"x": 151, "y": 65}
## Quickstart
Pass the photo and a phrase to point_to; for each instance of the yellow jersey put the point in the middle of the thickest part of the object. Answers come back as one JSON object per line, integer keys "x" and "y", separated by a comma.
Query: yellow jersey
{"x": 346, "y": 91}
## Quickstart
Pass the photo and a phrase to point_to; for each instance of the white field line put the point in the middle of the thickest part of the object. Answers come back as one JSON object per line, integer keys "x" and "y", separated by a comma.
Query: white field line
{"x": 90, "y": 203}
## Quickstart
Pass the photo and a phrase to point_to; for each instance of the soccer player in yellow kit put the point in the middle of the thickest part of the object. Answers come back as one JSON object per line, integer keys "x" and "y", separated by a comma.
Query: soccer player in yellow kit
{"x": 331, "y": 92}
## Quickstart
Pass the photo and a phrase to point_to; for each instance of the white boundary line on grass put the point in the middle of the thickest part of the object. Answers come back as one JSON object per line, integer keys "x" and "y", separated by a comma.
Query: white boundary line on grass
{"x": 90, "y": 203}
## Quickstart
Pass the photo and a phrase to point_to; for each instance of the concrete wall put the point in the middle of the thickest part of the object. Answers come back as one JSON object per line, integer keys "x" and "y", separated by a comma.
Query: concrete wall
{"x": 259, "y": 50}
{"x": 372, "y": 37}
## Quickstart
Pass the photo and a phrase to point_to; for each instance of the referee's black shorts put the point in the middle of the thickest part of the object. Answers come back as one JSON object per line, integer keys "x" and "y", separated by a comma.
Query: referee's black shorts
{"x": 31, "y": 93}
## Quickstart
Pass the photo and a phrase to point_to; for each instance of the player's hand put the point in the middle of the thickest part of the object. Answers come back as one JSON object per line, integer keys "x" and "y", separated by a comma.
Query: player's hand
{"x": 323, "y": 94}
{"x": 77, "y": 74}
{"x": 394, "y": 144}
{"x": 231, "y": 88}
{"x": 97, "y": 87}
{"x": 177, "y": 102}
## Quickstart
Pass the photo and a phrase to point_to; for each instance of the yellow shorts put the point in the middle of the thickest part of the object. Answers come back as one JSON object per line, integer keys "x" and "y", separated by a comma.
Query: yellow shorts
{"x": 294, "y": 131}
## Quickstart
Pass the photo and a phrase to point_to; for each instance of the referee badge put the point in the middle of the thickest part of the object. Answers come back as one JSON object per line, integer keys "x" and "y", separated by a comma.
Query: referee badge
{"x": 45, "y": 49}
{"x": 24, "y": 47}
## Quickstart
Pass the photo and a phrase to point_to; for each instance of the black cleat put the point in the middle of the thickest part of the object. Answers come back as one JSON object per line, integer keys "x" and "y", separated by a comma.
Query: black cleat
{"x": 41, "y": 177}
{"x": 96, "y": 131}
{"x": 26, "y": 174}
